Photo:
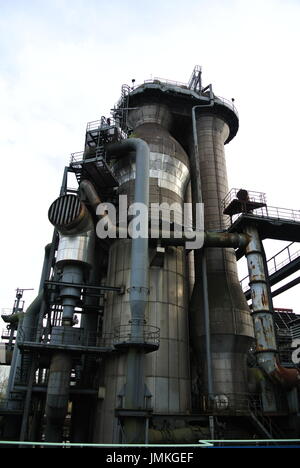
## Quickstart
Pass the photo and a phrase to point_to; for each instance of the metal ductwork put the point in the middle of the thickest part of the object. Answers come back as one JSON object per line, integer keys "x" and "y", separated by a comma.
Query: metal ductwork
{"x": 88, "y": 190}
{"x": 264, "y": 327}
{"x": 75, "y": 252}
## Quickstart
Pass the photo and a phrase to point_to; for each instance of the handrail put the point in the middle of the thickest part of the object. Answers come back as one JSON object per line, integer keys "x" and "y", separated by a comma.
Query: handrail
{"x": 230, "y": 402}
{"x": 254, "y": 196}
{"x": 6, "y": 311}
{"x": 166, "y": 81}
{"x": 227, "y": 103}
{"x": 5, "y": 404}
{"x": 276, "y": 266}
{"x": 76, "y": 157}
{"x": 126, "y": 333}
{"x": 272, "y": 212}
{"x": 218, "y": 99}
{"x": 103, "y": 123}
{"x": 89, "y": 339}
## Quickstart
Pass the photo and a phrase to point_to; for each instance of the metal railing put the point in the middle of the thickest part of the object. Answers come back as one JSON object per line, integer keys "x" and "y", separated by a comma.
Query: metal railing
{"x": 275, "y": 265}
{"x": 288, "y": 258}
{"x": 218, "y": 99}
{"x": 253, "y": 196}
{"x": 101, "y": 124}
{"x": 5, "y": 333}
{"x": 124, "y": 334}
{"x": 72, "y": 336}
{"x": 278, "y": 213}
{"x": 273, "y": 212}
{"x": 285, "y": 356}
{"x": 94, "y": 125}
{"x": 105, "y": 123}
{"x": 230, "y": 403}
{"x": 78, "y": 337}
{"x": 6, "y": 311}
{"x": 76, "y": 157}
{"x": 6, "y": 405}
{"x": 166, "y": 81}
{"x": 270, "y": 212}
{"x": 228, "y": 103}
{"x": 295, "y": 331}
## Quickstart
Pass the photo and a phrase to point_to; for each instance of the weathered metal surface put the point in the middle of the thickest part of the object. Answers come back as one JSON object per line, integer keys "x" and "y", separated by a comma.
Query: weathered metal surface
{"x": 264, "y": 332}
{"x": 266, "y": 347}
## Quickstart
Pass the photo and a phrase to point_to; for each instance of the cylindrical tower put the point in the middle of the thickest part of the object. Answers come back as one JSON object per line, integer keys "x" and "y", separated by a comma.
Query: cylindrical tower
{"x": 166, "y": 370}
{"x": 231, "y": 326}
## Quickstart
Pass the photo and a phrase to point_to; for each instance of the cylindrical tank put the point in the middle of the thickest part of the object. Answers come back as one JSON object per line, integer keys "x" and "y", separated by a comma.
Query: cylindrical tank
{"x": 166, "y": 370}
{"x": 230, "y": 322}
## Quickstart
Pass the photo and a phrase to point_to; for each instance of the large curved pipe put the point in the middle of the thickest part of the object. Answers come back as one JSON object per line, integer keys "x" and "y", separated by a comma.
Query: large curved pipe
{"x": 139, "y": 287}
{"x": 87, "y": 188}
{"x": 135, "y": 427}
{"x": 266, "y": 347}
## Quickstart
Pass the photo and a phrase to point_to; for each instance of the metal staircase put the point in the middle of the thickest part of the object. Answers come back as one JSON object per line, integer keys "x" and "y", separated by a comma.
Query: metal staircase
{"x": 281, "y": 265}
{"x": 264, "y": 424}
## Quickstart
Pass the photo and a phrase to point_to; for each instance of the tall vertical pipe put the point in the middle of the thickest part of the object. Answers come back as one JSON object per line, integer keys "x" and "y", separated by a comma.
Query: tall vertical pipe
{"x": 139, "y": 285}
{"x": 231, "y": 328}
{"x": 134, "y": 428}
{"x": 200, "y": 257}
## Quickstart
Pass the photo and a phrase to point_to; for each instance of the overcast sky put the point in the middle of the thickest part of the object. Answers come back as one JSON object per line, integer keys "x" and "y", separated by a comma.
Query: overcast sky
{"x": 62, "y": 64}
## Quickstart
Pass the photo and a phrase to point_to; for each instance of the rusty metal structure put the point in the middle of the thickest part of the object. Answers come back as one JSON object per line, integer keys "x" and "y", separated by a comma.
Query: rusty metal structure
{"x": 147, "y": 339}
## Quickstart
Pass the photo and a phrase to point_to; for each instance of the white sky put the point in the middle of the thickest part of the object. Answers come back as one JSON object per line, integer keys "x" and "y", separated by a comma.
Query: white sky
{"x": 63, "y": 63}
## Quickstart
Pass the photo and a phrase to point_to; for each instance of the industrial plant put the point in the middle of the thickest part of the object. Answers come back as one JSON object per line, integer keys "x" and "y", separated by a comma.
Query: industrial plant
{"x": 154, "y": 339}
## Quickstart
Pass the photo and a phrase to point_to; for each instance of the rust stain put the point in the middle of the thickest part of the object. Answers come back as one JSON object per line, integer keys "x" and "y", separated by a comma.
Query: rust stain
{"x": 264, "y": 299}
{"x": 259, "y": 347}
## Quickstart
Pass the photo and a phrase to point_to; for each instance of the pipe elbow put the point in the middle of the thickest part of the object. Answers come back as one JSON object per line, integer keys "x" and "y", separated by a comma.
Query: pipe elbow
{"x": 131, "y": 144}
{"x": 87, "y": 188}
{"x": 226, "y": 239}
{"x": 288, "y": 378}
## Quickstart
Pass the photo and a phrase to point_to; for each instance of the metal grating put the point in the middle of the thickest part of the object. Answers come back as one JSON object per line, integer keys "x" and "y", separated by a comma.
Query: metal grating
{"x": 64, "y": 210}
